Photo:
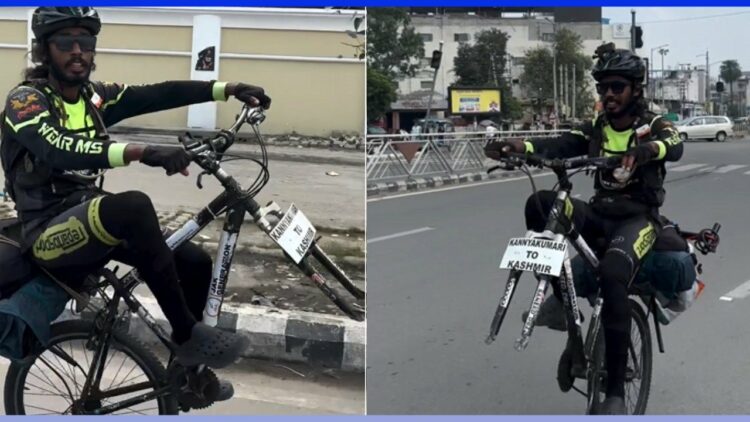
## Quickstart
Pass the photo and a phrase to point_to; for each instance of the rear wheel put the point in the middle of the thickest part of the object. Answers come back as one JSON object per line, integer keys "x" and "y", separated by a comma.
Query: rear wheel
{"x": 639, "y": 367}
{"x": 51, "y": 382}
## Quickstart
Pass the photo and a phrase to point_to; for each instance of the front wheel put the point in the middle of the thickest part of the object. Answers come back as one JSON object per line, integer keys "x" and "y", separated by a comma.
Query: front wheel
{"x": 639, "y": 368}
{"x": 721, "y": 136}
{"x": 684, "y": 136}
{"x": 51, "y": 383}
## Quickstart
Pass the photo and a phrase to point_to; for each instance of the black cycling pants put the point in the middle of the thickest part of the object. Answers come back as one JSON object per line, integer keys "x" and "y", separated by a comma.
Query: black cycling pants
{"x": 124, "y": 227}
{"x": 626, "y": 242}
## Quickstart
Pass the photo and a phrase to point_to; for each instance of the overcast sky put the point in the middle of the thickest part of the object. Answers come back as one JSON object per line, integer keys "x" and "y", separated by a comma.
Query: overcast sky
{"x": 690, "y": 31}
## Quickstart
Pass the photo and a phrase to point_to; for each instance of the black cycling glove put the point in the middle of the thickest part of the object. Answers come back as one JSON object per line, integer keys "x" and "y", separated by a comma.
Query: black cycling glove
{"x": 172, "y": 159}
{"x": 246, "y": 93}
{"x": 642, "y": 153}
{"x": 495, "y": 150}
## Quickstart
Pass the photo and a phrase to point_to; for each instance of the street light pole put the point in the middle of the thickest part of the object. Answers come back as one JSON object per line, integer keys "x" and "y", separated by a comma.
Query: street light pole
{"x": 663, "y": 52}
{"x": 554, "y": 67}
{"x": 574, "y": 92}
{"x": 651, "y": 70}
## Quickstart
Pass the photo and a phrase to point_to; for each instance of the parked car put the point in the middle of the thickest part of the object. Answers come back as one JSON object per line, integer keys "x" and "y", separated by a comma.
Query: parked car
{"x": 705, "y": 127}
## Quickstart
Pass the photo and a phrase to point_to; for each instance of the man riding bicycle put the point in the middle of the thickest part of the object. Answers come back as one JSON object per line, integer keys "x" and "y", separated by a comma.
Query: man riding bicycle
{"x": 54, "y": 141}
{"x": 622, "y": 212}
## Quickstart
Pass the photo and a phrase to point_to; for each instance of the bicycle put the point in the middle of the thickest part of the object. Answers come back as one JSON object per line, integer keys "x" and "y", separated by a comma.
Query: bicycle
{"x": 546, "y": 255}
{"x": 84, "y": 355}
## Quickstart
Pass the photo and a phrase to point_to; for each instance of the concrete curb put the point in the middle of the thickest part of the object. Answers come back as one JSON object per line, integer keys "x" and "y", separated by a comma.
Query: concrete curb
{"x": 422, "y": 183}
{"x": 292, "y": 336}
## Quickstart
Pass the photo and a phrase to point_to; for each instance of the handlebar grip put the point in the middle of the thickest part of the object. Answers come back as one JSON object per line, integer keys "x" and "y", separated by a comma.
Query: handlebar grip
{"x": 716, "y": 228}
{"x": 188, "y": 142}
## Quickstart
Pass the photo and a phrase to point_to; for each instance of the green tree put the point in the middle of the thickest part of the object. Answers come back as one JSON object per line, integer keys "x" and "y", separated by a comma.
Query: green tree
{"x": 537, "y": 75}
{"x": 730, "y": 71}
{"x": 393, "y": 46}
{"x": 394, "y": 50}
{"x": 381, "y": 92}
{"x": 484, "y": 64}
{"x": 359, "y": 34}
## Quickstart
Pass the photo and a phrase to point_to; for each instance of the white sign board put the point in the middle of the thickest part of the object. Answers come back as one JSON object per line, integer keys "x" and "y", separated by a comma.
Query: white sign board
{"x": 294, "y": 233}
{"x": 538, "y": 255}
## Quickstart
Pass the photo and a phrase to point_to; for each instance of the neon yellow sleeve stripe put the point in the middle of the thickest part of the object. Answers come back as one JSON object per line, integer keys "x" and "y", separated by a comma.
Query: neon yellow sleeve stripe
{"x": 529, "y": 147}
{"x": 116, "y": 155}
{"x": 22, "y": 125}
{"x": 114, "y": 101}
{"x": 662, "y": 150}
{"x": 219, "y": 91}
{"x": 674, "y": 139}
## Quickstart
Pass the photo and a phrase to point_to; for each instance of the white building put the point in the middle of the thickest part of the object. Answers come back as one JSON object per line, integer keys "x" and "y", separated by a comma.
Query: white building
{"x": 527, "y": 30}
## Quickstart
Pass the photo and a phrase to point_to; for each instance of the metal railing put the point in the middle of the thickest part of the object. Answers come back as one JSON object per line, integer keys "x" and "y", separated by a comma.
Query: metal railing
{"x": 403, "y": 157}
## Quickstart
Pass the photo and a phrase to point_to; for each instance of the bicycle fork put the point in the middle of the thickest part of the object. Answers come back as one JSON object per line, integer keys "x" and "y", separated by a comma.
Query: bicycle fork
{"x": 502, "y": 307}
{"x": 573, "y": 317}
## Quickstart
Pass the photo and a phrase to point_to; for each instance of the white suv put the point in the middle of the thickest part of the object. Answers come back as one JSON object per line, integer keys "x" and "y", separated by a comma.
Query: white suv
{"x": 705, "y": 127}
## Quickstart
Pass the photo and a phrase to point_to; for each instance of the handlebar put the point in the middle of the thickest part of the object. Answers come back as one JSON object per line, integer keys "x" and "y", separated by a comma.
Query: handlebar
{"x": 558, "y": 164}
{"x": 225, "y": 138}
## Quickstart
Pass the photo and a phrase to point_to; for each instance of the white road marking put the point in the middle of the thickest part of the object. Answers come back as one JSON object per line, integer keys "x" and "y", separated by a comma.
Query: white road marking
{"x": 401, "y": 234}
{"x": 464, "y": 186}
{"x": 687, "y": 167}
{"x": 740, "y": 292}
{"x": 709, "y": 169}
{"x": 730, "y": 167}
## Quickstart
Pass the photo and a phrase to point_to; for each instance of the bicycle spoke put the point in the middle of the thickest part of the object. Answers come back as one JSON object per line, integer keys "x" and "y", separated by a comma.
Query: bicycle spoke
{"x": 42, "y": 408}
{"x": 49, "y": 382}
{"x": 42, "y": 394}
{"x": 117, "y": 373}
{"x": 52, "y": 393}
{"x": 140, "y": 412}
{"x": 62, "y": 369}
{"x": 135, "y": 365}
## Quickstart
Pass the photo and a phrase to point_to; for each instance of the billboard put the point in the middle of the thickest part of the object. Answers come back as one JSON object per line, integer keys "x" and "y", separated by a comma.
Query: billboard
{"x": 474, "y": 100}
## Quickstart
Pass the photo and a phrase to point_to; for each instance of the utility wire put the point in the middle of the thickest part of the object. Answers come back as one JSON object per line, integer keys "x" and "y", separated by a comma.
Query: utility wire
{"x": 694, "y": 18}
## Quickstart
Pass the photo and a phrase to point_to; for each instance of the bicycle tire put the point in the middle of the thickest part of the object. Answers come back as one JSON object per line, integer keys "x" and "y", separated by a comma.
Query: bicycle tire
{"x": 75, "y": 330}
{"x": 597, "y": 373}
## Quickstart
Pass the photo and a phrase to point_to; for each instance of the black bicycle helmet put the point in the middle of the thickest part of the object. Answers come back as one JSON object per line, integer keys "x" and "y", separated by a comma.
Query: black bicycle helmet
{"x": 618, "y": 62}
{"x": 47, "y": 20}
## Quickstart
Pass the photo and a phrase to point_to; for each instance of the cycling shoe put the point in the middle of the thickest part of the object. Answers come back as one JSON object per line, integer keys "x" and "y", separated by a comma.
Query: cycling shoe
{"x": 210, "y": 346}
{"x": 226, "y": 390}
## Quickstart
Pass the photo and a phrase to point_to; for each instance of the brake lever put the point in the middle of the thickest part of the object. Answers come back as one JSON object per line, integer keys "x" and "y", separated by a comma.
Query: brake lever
{"x": 199, "y": 182}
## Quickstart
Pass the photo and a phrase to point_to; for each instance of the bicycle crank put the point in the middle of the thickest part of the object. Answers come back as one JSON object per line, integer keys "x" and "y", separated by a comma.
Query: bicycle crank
{"x": 197, "y": 389}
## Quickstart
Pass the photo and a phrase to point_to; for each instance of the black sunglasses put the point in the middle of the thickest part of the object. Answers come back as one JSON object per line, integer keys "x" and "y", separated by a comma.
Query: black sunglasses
{"x": 65, "y": 43}
{"x": 616, "y": 87}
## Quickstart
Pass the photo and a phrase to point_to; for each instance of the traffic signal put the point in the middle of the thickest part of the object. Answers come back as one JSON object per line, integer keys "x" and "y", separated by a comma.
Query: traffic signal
{"x": 719, "y": 86}
{"x": 638, "y": 36}
{"x": 436, "y": 56}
